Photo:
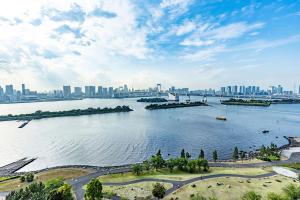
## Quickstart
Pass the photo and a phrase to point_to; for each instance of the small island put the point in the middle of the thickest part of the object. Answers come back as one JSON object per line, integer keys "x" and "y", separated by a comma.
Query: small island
{"x": 174, "y": 105}
{"x": 242, "y": 102}
{"x": 152, "y": 100}
{"x": 78, "y": 112}
{"x": 286, "y": 101}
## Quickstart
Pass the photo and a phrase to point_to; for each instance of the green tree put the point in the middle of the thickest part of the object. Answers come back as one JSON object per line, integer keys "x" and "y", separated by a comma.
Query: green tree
{"x": 171, "y": 163}
{"x": 215, "y": 155}
{"x": 292, "y": 192}
{"x": 251, "y": 196}
{"x": 235, "y": 154}
{"x": 157, "y": 161}
{"x": 146, "y": 165}
{"x": 182, "y": 154}
{"x": 205, "y": 165}
{"x": 181, "y": 163}
{"x": 29, "y": 177}
{"x": 192, "y": 164}
{"x": 188, "y": 155}
{"x": 158, "y": 152}
{"x": 201, "y": 155}
{"x": 158, "y": 190}
{"x": 243, "y": 155}
{"x": 137, "y": 169}
{"x": 93, "y": 190}
{"x": 64, "y": 192}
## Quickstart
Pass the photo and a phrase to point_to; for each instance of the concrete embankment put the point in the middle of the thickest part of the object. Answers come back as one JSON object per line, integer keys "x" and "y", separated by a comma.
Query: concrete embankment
{"x": 15, "y": 166}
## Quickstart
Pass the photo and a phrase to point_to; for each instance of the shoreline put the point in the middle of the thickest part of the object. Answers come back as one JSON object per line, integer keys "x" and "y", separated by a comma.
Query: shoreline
{"x": 292, "y": 142}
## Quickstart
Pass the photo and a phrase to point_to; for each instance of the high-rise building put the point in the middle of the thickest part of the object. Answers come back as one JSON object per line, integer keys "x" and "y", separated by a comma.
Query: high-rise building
{"x": 100, "y": 91}
{"x": 67, "y": 91}
{"x": 77, "y": 91}
{"x": 90, "y": 91}
{"x": 105, "y": 92}
{"x": 299, "y": 90}
{"x": 9, "y": 89}
{"x": 125, "y": 88}
{"x": 235, "y": 89}
{"x": 223, "y": 90}
{"x": 23, "y": 89}
{"x": 280, "y": 89}
{"x": 111, "y": 91}
{"x": 228, "y": 90}
{"x": 1, "y": 94}
{"x": 242, "y": 89}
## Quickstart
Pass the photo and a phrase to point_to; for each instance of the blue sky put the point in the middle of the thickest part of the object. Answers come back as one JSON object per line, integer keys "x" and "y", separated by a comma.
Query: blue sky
{"x": 185, "y": 43}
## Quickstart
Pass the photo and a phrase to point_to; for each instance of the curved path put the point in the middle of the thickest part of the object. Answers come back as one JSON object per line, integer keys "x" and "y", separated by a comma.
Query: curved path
{"x": 179, "y": 184}
{"x": 81, "y": 181}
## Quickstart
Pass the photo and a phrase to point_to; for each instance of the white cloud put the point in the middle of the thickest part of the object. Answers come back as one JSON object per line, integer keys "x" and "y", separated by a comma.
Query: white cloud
{"x": 185, "y": 28}
{"x": 232, "y": 30}
{"x": 204, "y": 54}
{"x": 196, "y": 42}
{"x": 39, "y": 52}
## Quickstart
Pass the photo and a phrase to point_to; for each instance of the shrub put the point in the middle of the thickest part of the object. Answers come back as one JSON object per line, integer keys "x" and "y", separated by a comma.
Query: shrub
{"x": 29, "y": 177}
{"x": 158, "y": 190}
{"x": 93, "y": 190}
{"x": 251, "y": 196}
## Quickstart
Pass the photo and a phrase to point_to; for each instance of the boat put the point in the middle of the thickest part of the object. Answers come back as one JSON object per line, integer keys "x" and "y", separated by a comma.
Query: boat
{"x": 222, "y": 118}
{"x": 265, "y": 131}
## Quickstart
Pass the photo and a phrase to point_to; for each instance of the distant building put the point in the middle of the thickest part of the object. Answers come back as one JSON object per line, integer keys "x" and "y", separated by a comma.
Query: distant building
{"x": 173, "y": 96}
{"x": 223, "y": 90}
{"x": 100, "y": 91}
{"x": 67, "y": 91}
{"x": 23, "y": 89}
{"x": 77, "y": 91}
{"x": 299, "y": 90}
{"x": 228, "y": 90}
{"x": 235, "y": 90}
{"x": 9, "y": 90}
{"x": 90, "y": 91}
{"x": 105, "y": 92}
{"x": 125, "y": 88}
{"x": 111, "y": 91}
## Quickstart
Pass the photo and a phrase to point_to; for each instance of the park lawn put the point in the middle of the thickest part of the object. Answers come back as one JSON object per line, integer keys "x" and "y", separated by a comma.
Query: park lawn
{"x": 132, "y": 191}
{"x": 252, "y": 161}
{"x": 178, "y": 175}
{"x": 233, "y": 188}
{"x": 65, "y": 173}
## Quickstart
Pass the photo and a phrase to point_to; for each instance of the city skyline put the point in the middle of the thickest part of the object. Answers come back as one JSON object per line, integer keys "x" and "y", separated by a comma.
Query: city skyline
{"x": 189, "y": 43}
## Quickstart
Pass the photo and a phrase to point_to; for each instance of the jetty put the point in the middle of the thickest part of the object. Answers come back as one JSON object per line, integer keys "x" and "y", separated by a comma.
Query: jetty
{"x": 174, "y": 105}
{"x": 15, "y": 166}
{"x": 24, "y": 124}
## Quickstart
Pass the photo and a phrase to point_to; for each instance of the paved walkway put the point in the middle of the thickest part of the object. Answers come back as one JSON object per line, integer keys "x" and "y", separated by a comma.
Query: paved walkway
{"x": 78, "y": 183}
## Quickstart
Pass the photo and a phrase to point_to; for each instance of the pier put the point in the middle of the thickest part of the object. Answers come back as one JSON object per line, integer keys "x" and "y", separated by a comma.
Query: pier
{"x": 24, "y": 124}
{"x": 15, "y": 166}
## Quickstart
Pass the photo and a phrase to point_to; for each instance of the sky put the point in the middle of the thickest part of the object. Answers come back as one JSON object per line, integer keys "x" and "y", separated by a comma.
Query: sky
{"x": 183, "y": 43}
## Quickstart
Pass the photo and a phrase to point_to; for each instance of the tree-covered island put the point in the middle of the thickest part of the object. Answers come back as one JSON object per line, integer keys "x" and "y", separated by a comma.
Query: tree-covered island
{"x": 76, "y": 112}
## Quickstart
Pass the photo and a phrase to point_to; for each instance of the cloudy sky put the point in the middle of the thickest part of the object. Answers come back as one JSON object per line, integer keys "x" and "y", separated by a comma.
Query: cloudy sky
{"x": 185, "y": 43}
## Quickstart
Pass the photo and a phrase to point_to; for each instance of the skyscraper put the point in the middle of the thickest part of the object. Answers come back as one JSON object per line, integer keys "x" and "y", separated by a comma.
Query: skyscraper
{"x": 77, "y": 91}
{"x": 67, "y": 91}
{"x": 23, "y": 89}
{"x": 111, "y": 91}
{"x": 235, "y": 89}
{"x": 228, "y": 90}
{"x": 100, "y": 91}
{"x": 9, "y": 89}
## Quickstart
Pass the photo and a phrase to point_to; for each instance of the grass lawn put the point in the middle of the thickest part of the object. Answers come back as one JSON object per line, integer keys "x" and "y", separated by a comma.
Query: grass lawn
{"x": 45, "y": 176}
{"x": 255, "y": 160}
{"x": 232, "y": 188}
{"x": 132, "y": 191}
{"x": 179, "y": 175}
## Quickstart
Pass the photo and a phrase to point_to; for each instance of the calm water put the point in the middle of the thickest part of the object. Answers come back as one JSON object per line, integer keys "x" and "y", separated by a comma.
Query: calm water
{"x": 113, "y": 139}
